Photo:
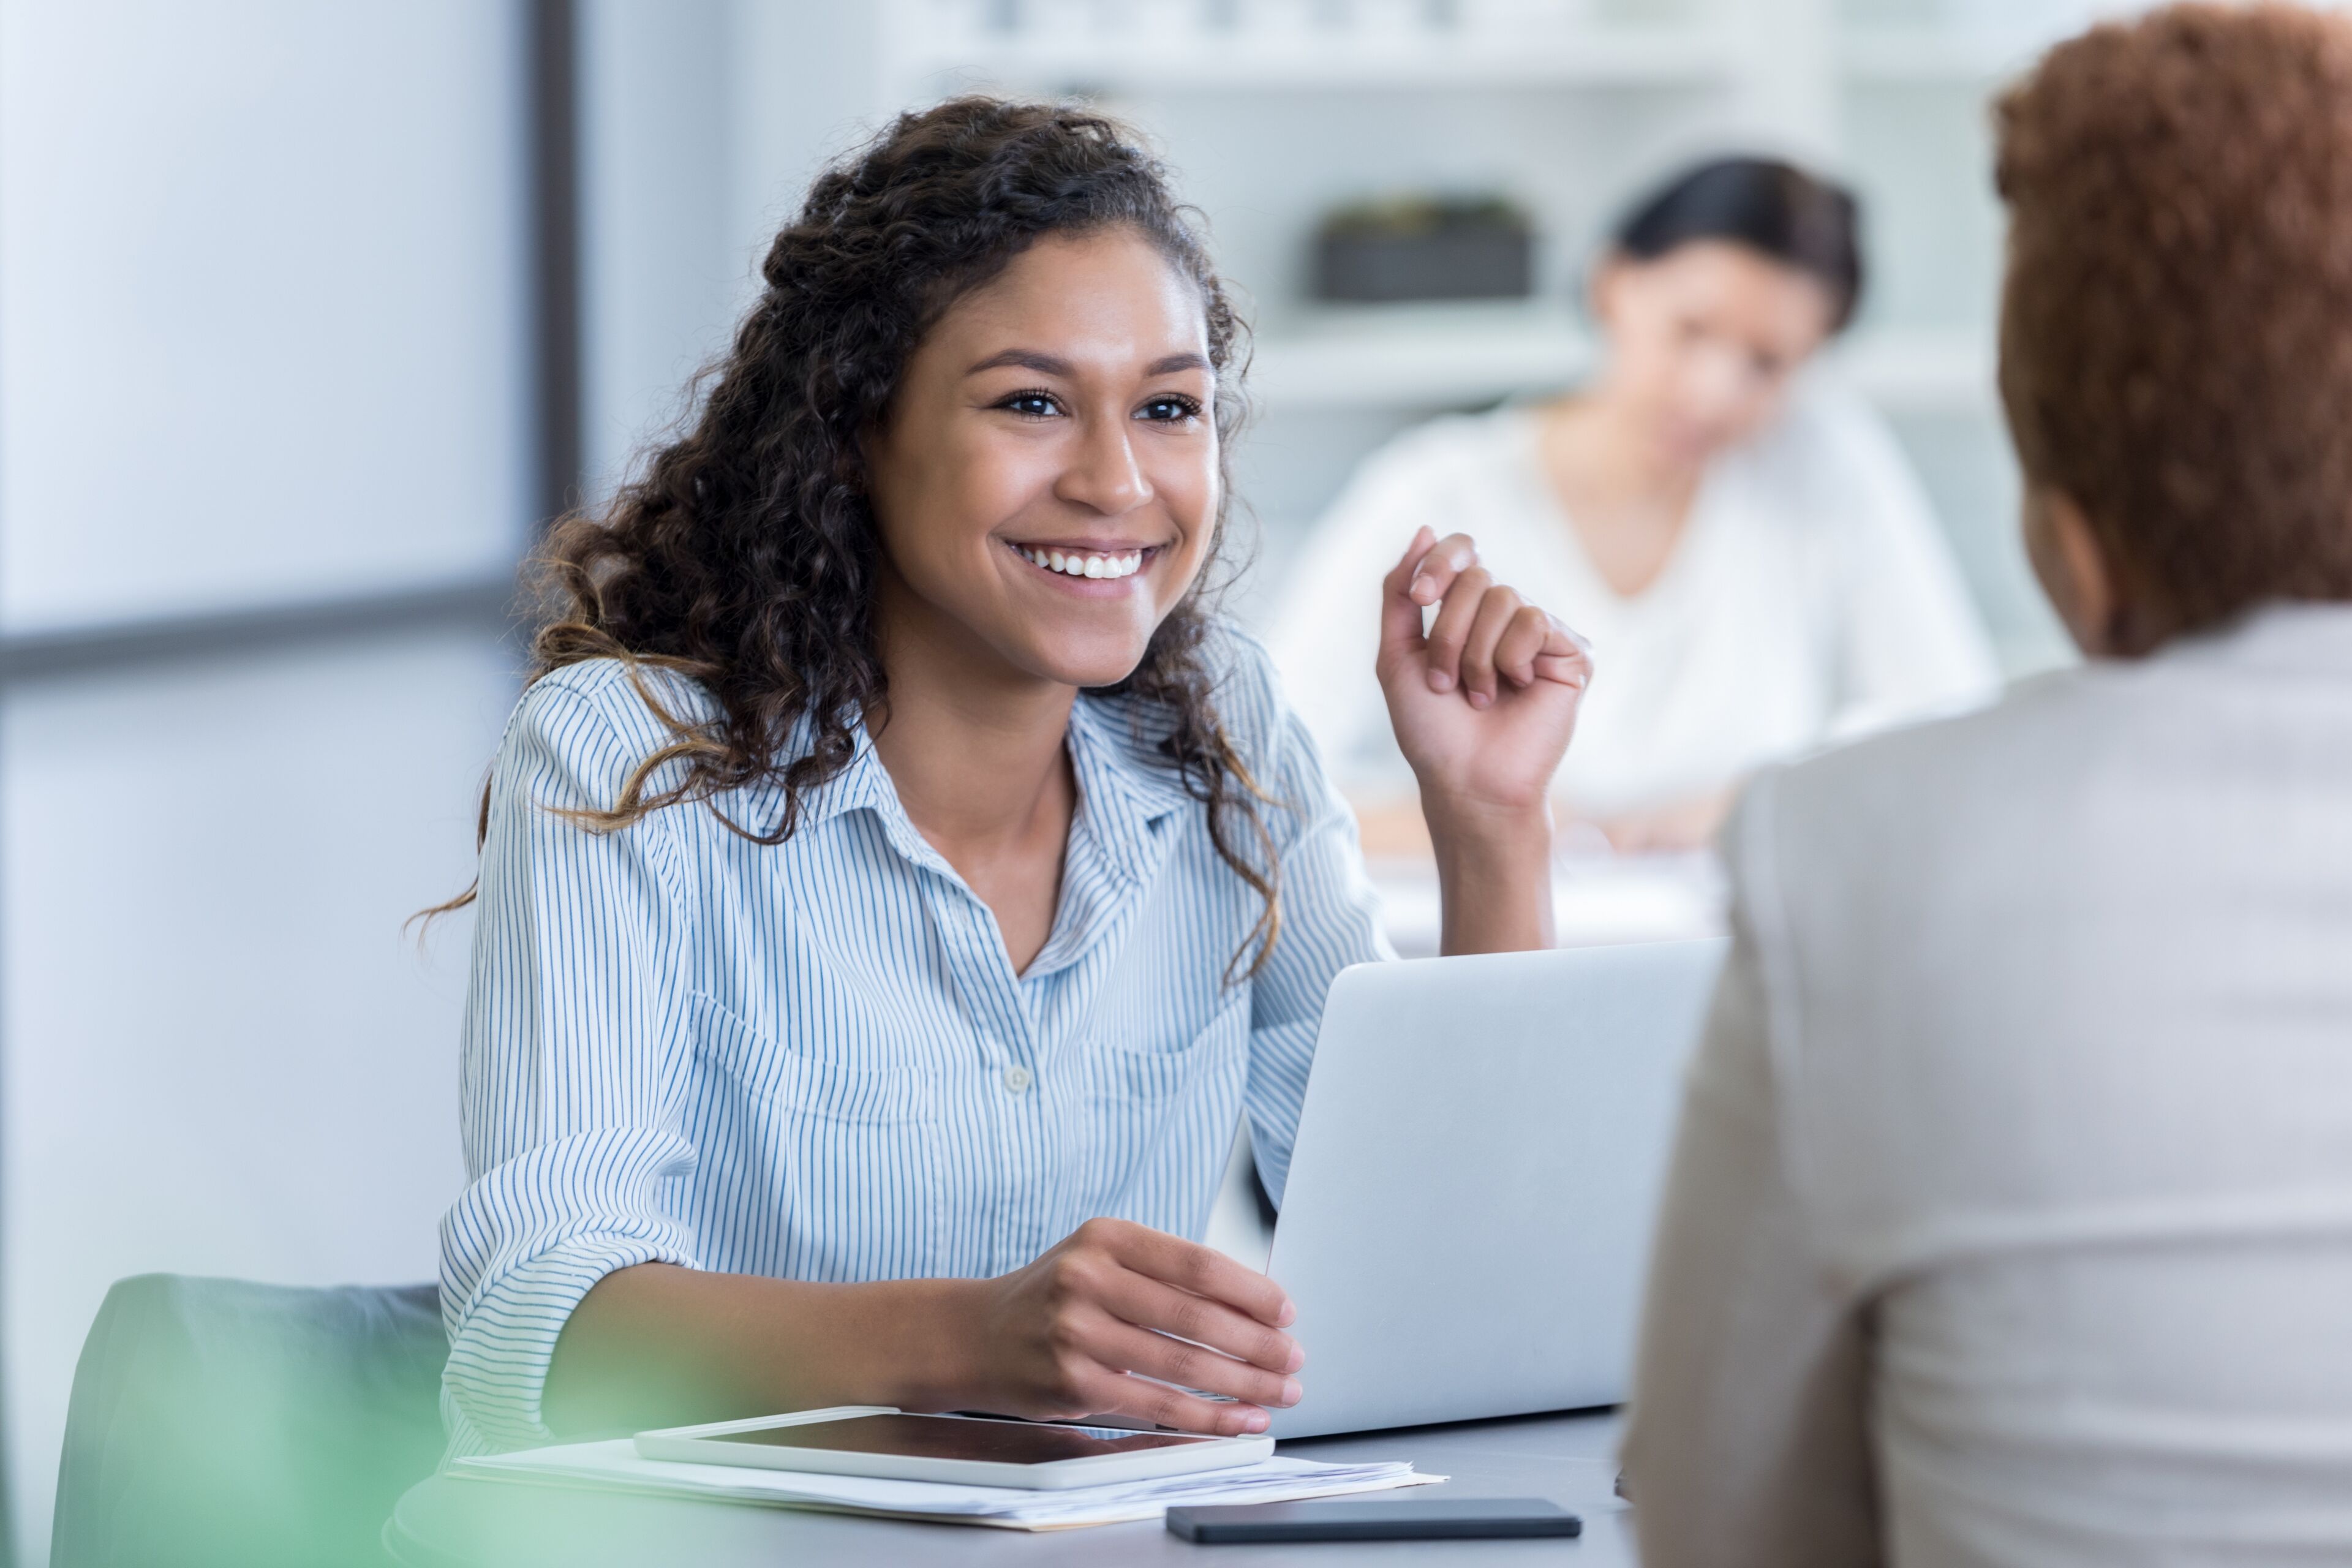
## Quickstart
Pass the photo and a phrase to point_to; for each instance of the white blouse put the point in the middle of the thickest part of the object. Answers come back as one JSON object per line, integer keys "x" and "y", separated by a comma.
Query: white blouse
{"x": 1811, "y": 598}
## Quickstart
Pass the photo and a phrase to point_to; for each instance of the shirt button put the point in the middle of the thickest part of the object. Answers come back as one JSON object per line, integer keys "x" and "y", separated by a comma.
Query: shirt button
{"x": 1017, "y": 1078}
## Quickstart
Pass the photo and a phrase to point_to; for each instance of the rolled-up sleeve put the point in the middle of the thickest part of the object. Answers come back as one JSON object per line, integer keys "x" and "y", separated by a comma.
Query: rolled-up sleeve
{"x": 570, "y": 1110}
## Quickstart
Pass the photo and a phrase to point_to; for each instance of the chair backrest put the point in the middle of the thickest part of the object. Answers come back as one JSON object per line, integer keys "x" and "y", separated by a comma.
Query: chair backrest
{"x": 219, "y": 1422}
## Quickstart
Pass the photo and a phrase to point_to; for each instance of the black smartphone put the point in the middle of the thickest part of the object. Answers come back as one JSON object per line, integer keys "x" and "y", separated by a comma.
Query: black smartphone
{"x": 1381, "y": 1518}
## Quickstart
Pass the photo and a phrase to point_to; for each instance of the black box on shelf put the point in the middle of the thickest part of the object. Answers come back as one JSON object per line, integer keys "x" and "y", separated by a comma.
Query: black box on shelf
{"x": 1426, "y": 248}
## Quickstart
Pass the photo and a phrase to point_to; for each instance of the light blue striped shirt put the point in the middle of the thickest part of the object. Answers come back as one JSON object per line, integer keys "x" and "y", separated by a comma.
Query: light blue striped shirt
{"x": 814, "y": 1060}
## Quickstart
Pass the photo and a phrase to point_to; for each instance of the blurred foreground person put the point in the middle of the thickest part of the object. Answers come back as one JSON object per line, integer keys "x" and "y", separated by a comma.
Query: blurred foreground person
{"x": 2011, "y": 1220}
{"x": 1753, "y": 562}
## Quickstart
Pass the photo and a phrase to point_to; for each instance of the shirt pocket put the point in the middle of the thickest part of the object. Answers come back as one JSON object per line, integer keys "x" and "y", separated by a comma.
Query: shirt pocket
{"x": 1160, "y": 1122}
{"x": 812, "y": 1167}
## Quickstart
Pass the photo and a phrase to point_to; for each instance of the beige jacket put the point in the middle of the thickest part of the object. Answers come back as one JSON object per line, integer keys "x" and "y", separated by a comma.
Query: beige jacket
{"x": 2011, "y": 1219}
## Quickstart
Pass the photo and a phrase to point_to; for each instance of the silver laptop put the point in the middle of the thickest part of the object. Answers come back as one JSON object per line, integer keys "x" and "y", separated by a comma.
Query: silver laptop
{"x": 1466, "y": 1223}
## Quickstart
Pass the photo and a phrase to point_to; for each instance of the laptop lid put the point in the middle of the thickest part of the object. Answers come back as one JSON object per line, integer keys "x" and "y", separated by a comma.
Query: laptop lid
{"x": 1466, "y": 1223}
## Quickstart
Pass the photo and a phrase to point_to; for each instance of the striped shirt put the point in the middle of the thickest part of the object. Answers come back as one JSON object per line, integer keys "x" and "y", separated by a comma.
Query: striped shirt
{"x": 814, "y": 1060}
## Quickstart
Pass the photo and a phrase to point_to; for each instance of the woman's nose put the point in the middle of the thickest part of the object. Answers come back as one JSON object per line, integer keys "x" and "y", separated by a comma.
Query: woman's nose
{"x": 1103, "y": 474}
{"x": 1714, "y": 387}
{"x": 1724, "y": 374}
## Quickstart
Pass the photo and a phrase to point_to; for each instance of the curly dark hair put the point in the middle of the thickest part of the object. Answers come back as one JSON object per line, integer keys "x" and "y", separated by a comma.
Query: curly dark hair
{"x": 744, "y": 554}
{"x": 2176, "y": 345}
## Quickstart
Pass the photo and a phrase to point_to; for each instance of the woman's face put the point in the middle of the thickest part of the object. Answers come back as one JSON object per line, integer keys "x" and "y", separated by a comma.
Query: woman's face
{"x": 1046, "y": 483}
{"x": 1703, "y": 341}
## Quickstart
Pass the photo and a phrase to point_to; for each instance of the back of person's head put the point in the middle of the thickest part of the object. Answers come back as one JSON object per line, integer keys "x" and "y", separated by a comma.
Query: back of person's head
{"x": 2176, "y": 337}
{"x": 1777, "y": 209}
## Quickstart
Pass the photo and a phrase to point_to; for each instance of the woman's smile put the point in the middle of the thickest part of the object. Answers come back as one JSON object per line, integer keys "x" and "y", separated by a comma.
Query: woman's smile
{"x": 1090, "y": 568}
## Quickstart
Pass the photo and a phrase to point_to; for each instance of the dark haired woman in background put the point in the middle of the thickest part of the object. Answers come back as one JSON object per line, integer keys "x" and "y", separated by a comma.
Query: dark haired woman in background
{"x": 896, "y": 881}
{"x": 1755, "y": 565}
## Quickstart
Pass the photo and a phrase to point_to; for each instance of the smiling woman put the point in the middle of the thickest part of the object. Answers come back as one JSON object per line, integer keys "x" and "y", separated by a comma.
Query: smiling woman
{"x": 898, "y": 880}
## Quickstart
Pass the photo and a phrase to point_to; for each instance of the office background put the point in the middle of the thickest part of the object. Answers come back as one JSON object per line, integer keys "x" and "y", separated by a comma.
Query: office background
{"x": 308, "y": 311}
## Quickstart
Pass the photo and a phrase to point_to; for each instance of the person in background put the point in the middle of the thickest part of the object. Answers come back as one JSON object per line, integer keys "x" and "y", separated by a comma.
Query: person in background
{"x": 2010, "y": 1220}
{"x": 1754, "y": 565}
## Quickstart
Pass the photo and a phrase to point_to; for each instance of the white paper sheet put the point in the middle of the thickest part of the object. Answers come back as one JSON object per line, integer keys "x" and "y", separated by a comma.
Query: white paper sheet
{"x": 615, "y": 1466}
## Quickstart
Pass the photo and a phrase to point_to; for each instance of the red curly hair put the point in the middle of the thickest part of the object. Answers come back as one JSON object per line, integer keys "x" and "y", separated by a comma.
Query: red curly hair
{"x": 2175, "y": 339}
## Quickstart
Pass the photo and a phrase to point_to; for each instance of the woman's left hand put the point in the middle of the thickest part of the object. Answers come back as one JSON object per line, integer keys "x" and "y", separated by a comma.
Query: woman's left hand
{"x": 1484, "y": 703}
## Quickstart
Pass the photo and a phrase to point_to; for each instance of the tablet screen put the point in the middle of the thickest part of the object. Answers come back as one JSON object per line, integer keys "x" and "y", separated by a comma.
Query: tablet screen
{"x": 957, "y": 1437}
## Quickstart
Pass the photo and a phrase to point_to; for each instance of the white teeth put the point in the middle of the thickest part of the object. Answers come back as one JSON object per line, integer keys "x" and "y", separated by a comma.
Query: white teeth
{"x": 1097, "y": 566}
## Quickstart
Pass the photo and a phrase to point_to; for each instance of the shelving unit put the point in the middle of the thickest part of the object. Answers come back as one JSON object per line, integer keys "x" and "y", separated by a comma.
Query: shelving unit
{"x": 1660, "y": 56}
{"x": 1415, "y": 356}
{"x": 1435, "y": 357}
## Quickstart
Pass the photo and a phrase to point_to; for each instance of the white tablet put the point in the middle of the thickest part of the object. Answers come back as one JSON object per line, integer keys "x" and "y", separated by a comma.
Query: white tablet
{"x": 976, "y": 1450}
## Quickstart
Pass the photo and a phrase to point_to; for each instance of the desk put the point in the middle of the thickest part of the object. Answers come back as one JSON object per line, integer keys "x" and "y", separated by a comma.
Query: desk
{"x": 450, "y": 1523}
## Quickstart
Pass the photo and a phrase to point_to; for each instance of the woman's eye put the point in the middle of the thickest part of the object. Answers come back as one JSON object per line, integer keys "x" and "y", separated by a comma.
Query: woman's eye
{"x": 1031, "y": 405}
{"x": 1169, "y": 409}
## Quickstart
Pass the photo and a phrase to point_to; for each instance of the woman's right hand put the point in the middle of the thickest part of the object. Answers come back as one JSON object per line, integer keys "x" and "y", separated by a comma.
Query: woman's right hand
{"x": 1099, "y": 1325}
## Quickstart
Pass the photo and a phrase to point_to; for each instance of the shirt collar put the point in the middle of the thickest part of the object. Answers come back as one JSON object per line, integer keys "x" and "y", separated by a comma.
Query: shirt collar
{"x": 1124, "y": 781}
{"x": 1125, "y": 785}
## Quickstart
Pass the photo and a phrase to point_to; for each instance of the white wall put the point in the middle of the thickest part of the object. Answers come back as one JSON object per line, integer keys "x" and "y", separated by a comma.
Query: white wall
{"x": 702, "y": 123}
{"x": 223, "y": 1055}
{"x": 803, "y": 80}
{"x": 263, "y": 338}
{"x": 261, "y": 282}
{"x": 661, "y": 265}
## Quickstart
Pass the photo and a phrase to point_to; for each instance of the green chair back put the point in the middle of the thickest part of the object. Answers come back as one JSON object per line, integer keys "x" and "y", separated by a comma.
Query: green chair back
{"x": 220, "y": 1422}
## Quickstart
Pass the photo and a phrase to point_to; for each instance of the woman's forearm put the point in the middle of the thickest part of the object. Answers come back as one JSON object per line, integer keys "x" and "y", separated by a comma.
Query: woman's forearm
{"x": 1115, "y": 1319}
{"x": 1494, "y": 878}
{"x": 657, "y": 1345}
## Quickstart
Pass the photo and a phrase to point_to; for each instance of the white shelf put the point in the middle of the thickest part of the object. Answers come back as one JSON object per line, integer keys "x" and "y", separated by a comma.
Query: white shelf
{"x": 1413, "y": 357}
{"x": 1215, "y": 61}
{"x": 1416, "y": 356}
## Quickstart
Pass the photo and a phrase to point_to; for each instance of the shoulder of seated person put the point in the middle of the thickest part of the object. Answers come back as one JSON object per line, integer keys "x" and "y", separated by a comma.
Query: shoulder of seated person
{"x": 2040, "y": 763}
{"x": 1921, "y": 776}
{"x": 1242, "y": 687}
{"x": 1242, "y": 669}
{"x": 610, "y": 689}
{"x": 1823, "y": 432}
{"x": 1823, "y": 405}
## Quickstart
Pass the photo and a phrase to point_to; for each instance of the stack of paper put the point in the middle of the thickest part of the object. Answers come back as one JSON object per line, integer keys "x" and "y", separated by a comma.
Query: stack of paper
{"x": 615, "y": 1466}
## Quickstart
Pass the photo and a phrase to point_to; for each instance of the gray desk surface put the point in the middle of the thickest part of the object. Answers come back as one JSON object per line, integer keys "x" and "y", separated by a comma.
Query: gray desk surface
{"x": 447, "y": 1523}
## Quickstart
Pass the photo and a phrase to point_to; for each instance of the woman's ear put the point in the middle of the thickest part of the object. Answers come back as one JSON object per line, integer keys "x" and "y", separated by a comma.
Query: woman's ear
{"x": 2073, "y": 569}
